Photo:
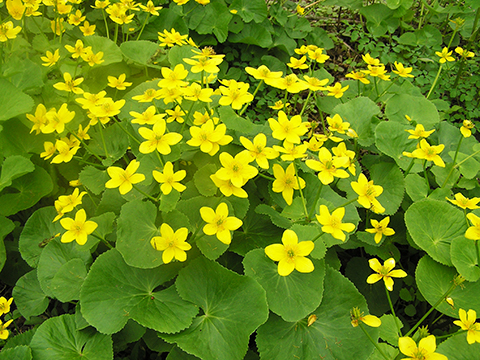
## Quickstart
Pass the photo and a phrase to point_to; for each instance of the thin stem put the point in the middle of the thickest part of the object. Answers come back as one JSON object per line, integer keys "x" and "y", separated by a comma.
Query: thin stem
{"x": 345, "y": 204}
{"x": 103, "y": 139}
{"x": 306, "y": 102}
{"x": 126, "y": 131}
{"x": 409, "y": 168}
{"x": 144, "y": 193}
{"x": 373, "y": 342}
{"x": 266, "y": 177}
{"x": 103, "y": 240}
{"x": 393, "y": 312}
{"x": 301, "y": 192}
{"x": 454, "y": 285}
{"x": 143, "y": 26}
{"x": 254, "y": 93}
{"x": 106, "y": 25}
{"x": 478, "y": 252}
{"x": 317, "y": 196}
{"x": 425, "y": 174}
{"x": 454, "y": 161}
{"x": 435, "y": 81}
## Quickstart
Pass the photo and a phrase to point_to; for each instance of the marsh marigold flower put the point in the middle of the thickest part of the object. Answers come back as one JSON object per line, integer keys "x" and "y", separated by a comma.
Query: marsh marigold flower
{"x": 235, "y": 95}
{"x": 467, "y": 323}
{"x": 258, "y": 150}
{"x": 208, "y": 137}
{"x": 3, "y": 329}
{"x": 124, "y": 179}
{"x": 118, "y": 83}
{"x": 445, "y": 55}
{"x": 50, "y": 58}
{"x": 367, "y": 193}
{"x": 429, "y": 152}
{"x": 77, "y": 229}
{"x": 219, "y": 223}
{"x": 263, "y": 73}
{"x": 69, "y": 85}
{"x": 170, "y": 179}
{"x": 328, "y": 166}
{"x": 236, "y": 169}
{"x": 473, "y": 232}
{"x": 87, "y": 29}
{"x": 289, "y": 130}
{"x": 332, "y": 223}
{"x": 465, "y": 203}
{"x": 466, "y": 128}
{"x": 384, "y": 272}
{"x": 292, "y": 254}
{"x": 157, "y": 139}
{"x": 402, "y": 71}
{"x": 5, "y": 305}
{"x": 424, "y": 351}
{"x": 357, "y": 316}
{"x": 337, "y": 90}
{"x": 380, "y": 228}
{"x": 172, "y": 243}
{"x": 419, "y": 132}
{"x": 286, "y": 182}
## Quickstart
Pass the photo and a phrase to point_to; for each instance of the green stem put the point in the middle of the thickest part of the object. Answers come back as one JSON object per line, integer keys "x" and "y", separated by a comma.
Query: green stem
{"x": 103, "y": 240}
{"x": 435, "y": 81}
{"x": 373, "y": 342}
{"x": 144, "y": 193}
{"x": 159, "y": 158}
{"x": 450, "y": 335}
{"x": 478, "y": 252}
{"x": 78, "y": 158}
{"x": 409, "y": 168}
{"x": 115, "y": 37}
{"x": 103, "y": 139}
{"x": 126, "y": 131}
{"x": 450, "y": 289}
{"x": 468, "y": 157}
{"x": 143, "y": 26}
{"x": 425, "y": 174}
{"x": 317, "y": 196}
{"x": 454, "y": 161}
{"x": 345, "y": 204}
{"x": 254, "y": 93}
{"x": 306, "y": 102}
{"x": 301, "y": 192}
{"x": 106, "y": 25}
{"x": 266, "y": 177}
{"x": 393, "y": 312}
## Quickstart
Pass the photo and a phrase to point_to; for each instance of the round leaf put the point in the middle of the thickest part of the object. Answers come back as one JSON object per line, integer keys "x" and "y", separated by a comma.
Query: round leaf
{"x": 292, "y": 297}
{"x": 458, "y": 348}
{"x": 233, "y": 307}
{"x": 464, "y": 258}
{"x": 434, "y": 279}
{"x": 29, "y": 296}
{"x": 331, "y": 336}
{"x": 68, "y": 280}
{"x": 420, "y": 109}
{"x": 389, "y": 176}
{"x": 114, "y": 292}
{"x": 58, "y": 338}
{"x": 17, "y": 353}
{"x": 433, "y": 225}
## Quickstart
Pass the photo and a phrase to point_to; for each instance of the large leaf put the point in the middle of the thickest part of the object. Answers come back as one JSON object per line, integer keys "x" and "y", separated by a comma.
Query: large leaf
{"x": 58, "y": 338}
{"x": 465, "y": 258}
{"x": 420, "y": 110}
{"x": 433, "y": 225}
{"x": 330, "y": 337}
{"x": 292, "y": 297}
{"x": 389, "y": 176}
{"x": 249, "y": 10}
{"x": 6, "y": 227}
{"x": 140, "y": 51}
{"x": 30, "y": 188}
{"x": 14, "y": 167}
{"x": 29, "y": 296}
{"x": 457, "y": 347}
{"x": 114, "y": 292}
{"x": 13, "y": 102}
{"x": 233, "y": 307}
{"x": 434, "y": 279}
{"x": 68, "y": 280}
{"x": 17, "y": 353}
{"x": 111, "y": 52}
{"x": 361, "y": 113}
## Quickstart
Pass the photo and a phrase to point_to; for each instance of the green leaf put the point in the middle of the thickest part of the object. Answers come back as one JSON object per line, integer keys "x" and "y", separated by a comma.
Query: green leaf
{"x": 420, "y": 110}
{"x": 211, "y": 247}
{"x": 292, "y": 297}
{"x": 17, "y": 353}
{"x": 30, "y": 189}
{"x": 416, "y": 187}
{"x": 203, "y": 183}
{"x": 361, "y": 113}
{"x": 13, "y": 139}
{"x": 23, "y": 338}
{"x": 253, "y": 34}
{"x": 233, "y": 307}
{"x": 114, "y": 292}
{"x": 24, "y": 73}
{"x": 111, "y": 52}
{"x": 94, "y": 179}
{"x": 141, "y": 51}
{"x": 135, "y": 228}
{"x": 389, "y": 176}
{"x": 6, "y": 227}
{"x": 469, "y": 167}
{"x": 392, "y": 140}
{"x": 29, "y": 296}
{"x": 52, "y": 259}
{"x": 433, "y": 225}
{"x": 132, "y": 332}
{"x": 58, "y": 338}
{"x": 249, "y": 10}
{"x": 464, "y": 257}
{"x": 116, "y": 143}
{"x": 13, "y": 102}
{"x": 68, "y": 280}
{"x": 14, "y": 167}
{"x": 388, "y": 330}
{"x": 433, "y": 281}
{"x": 37, "y": 232}
{"x": 235, "y": 122}
{"x": 169, "y": 202}
{"x": 331, "y": 336}
{"x": 457, "y": 347}
{"x": 216, "y": 20}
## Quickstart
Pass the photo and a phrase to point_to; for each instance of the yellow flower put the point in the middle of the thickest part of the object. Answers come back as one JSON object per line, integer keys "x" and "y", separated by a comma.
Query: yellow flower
{"x": 341, "y": 151}
{"x": 337, "y": 90}
{"x": 402, "y": 71}
{"x": 315, "y": 84}
{"x": 5, "y": 305}
{"x": 195, "y": 92}
{"x": 429, "y": 152}
{"x": 380, "y": 228}
{"x": 367, "y": 193}
{"x": 77, "y": 229}
{"x": 219, "y": 223}
{"x": 337, "y": 124}
{"x": 67, "y": 203}
{"x": 39, "y": 119}
{"x": 65, "y": 152}
{"x": 465, "y": 203}
{"x": 209, "y": 65}
{"x": 87, "y": 29}
{"x": 57, "y": 119}
{"x": 360, "y": 76}
{"x": 91, "y": 58}
{"x": 445, "y": 55}
{"x": 328, "y": 166}
{"x": 356, "y": 316}
{"x": 7, "y": 31}
{"x": 291, "y": 83}
{"x": 370, "y": 61}
{"x": 78, "y": 50}
{"x": 263, "y": 73}
{"x": 148, "y": 95}
{"x": 466, "y": 128}
{"x": 57, "y": 26}
{"x": 148, "y": 117}
{"x": 318, "y": 55}
{"x": 172, "y": 243}
{"x": 173, "y": 78}
{"x": 258, "y": 150}
{"x": 227, "y": 188}
{"x": 424, "y": 351}
{"x": 286, "y": 181}
{"x": 69, "y": 85}
{"x": 235, "y": 95}
{"x": 236, "y": 169}
{"x": 300, "y": 10}
{"x": 107, "y": 108}
{"x": 49, "y": 150}
{"x": 279, "y": 105}
{"x": 170, "y": 179}
{"x": 467, "y": 323}
{"x": 384, "y": 272}
{"x": 15, "y": 8}
{"x": 124, "y": 179}
{"x": 332, "y": 224}
{"x": 290, "y": 151}
{"x": 464, "y": 53}
{"x": 157, "y": 139}
{"x": 76, "y": 18}
{"x": 3, "y": 329}
{"x": 175, "y": 115}
{"x": 377, "y": 71}
{"x": 473, "y": 232}
{"x": 208, "y": 137}
{"x": 419, "y": 132}
{"x": 118, "y": 83}
{"x": 50, "y": 58}
{"x": 289, "y": 130}
{"x": 150, "y": 8}
{"x": 292, "y": 254}
{"x": 91, "y": 100}
{"x": 298, "y": 63}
